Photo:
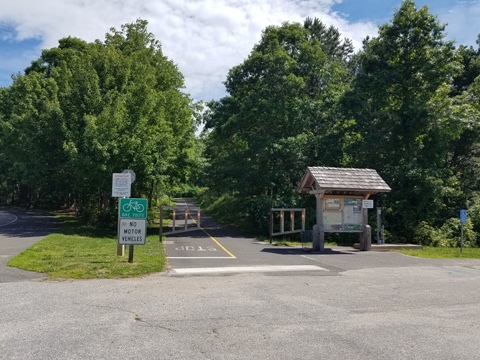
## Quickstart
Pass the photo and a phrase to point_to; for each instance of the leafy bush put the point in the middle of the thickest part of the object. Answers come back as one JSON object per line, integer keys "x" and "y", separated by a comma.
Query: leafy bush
{"x": 474, "y": 214}
{"x": 259, "y": 213}
{"x": 448, "y": 235}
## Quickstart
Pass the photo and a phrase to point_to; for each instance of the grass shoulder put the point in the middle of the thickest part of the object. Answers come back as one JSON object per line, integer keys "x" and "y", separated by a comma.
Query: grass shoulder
{"x": 78, "y": 251}
{"x": 443, "y": 253}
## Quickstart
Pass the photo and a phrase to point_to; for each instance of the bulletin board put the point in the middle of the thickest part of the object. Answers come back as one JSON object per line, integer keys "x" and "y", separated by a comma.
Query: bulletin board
{"x": 342, "y": 214}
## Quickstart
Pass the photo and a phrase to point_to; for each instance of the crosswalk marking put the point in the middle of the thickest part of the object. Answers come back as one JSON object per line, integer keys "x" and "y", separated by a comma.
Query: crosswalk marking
{"x": 243, "y": 269}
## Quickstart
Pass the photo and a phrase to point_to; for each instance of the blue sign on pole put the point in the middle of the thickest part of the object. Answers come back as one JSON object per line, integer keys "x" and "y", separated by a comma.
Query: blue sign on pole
{"x": 463, "y": 216}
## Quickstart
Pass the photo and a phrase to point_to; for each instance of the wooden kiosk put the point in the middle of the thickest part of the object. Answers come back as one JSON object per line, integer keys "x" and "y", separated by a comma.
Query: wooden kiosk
{"x": 340, "y": 194}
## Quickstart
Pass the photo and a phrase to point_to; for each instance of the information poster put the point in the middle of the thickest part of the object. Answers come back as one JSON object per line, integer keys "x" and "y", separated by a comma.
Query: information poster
{"x": 121, "y": 184}
{"x": 352, "y": 214}
{"x": 332, "y": 204}
{"x": 332, "y": 220}
{"x": 342, "y": 214}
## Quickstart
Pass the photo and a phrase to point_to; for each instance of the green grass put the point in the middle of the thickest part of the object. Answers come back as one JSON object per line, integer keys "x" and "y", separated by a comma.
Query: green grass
{"x": 82, "y": 252}
{"x": 443, "y": 253}
{"x": 427, "y": 252}
{"x": 279, "y": 241}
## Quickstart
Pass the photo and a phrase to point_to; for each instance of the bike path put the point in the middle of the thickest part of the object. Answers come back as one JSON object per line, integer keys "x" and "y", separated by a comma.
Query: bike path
{"x": 218, "y": 249}
{"x": 19, "y": 230}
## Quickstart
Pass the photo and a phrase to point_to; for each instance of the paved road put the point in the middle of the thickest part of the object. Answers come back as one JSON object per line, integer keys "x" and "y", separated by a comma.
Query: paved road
{"x": 425, "y": 312}
{"x": 215, "y": 249}
{"x": 20, "y": 229}
{"x": 361, "y": 306}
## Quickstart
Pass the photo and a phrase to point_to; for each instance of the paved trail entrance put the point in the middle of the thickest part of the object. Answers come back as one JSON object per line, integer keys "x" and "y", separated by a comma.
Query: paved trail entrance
{"x": 215, "y": 249}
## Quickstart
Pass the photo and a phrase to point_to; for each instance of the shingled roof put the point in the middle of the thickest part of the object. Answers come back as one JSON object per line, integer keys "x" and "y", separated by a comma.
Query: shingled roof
{"x": 347, "y": 180}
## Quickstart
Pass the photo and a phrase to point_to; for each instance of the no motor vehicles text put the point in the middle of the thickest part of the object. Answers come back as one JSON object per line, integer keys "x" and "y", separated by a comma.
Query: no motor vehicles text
{"x": 132, "y": 231}
{"x": 132, "y": 238}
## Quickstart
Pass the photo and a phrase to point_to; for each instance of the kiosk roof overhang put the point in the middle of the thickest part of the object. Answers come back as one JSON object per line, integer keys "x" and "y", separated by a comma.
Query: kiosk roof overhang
{"x": 348, "y": 181}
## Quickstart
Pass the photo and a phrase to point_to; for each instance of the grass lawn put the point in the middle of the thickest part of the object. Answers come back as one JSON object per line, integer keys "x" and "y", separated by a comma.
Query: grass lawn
{"x": 82, "y": 252}
{"x": 427, "y": 252}
{"x": 444, "y": 253}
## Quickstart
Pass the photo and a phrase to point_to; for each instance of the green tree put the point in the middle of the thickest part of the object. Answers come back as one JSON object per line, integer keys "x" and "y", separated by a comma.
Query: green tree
{"x": 405, "y": 123}
{"x": 329, "y": 39}
{"x": 470, "y": 59}
{"x": 279, "y": 115}
{"x": 32, "y": 138}
{"x": 88, "y": 110}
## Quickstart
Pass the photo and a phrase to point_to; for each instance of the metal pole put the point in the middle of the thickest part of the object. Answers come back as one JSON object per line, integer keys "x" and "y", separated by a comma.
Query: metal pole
{"x": 461, "y": 238}
{"x": 379, "y": 225}
{"x": 130, "y": 253}
{"x": 364, "y": 235}
{"x": 292, "y": 225}
{"x": 120, "y": 248}
{"x": 271, "y": 225}
{"x": 161, "y": 223}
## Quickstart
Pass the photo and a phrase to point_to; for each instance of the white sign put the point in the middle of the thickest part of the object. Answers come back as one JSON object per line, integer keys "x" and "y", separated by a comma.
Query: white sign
{"x": 367, "y": 204}
{"x": 134, "y": 176}
{"x": 132, "y": 232}
{"x": 121, "y": 184}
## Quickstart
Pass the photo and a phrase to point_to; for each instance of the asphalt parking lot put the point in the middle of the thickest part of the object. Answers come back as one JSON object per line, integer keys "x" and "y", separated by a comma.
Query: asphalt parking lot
{"x": 355, "y": 305}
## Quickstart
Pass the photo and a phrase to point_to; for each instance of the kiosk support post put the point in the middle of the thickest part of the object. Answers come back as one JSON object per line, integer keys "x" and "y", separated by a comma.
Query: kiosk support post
{"x": 319, "y": 233}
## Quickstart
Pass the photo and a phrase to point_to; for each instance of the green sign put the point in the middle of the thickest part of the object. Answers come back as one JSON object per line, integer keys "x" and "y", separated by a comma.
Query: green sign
{"x": 133, "y": 208}
{"x": 352, "y": 227}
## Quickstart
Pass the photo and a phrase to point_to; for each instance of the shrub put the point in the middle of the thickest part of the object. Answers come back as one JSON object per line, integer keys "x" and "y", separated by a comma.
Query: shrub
{"x": 448, "y": 235}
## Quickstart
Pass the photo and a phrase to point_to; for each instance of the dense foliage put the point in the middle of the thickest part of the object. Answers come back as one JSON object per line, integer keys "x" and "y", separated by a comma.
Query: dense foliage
{"x": 407, "y": 125}
{"x": 406, "y": 105}
{"x": 86, "y": 110}
{"x": 279, "y": 116}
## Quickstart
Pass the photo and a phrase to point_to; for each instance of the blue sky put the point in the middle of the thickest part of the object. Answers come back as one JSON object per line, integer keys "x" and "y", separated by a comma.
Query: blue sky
{"x": 205, "y": 38}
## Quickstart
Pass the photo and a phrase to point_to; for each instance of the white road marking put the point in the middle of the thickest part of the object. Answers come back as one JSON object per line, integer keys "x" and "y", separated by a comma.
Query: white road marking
{"x": 200, "y": 257}
{"x": 249, "y": 269}
{"x": 308, "y": 257}
{"x": 169, "y": 242}
{"x": 16, "y": 218}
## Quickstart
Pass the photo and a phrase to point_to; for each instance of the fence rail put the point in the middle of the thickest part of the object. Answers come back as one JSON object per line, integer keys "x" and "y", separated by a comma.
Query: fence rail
{"x": 185, "y": 214}
{"x": 282, "y": 212}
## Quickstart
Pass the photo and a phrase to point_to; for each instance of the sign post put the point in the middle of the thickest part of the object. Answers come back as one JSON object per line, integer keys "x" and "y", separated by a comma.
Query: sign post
{"x": 366, "y": 236}
{"x": 379, "y": 226}
{"x": 463, "y": 220}
{"x": 132, "y": 223}
{"x": 121, "y": 187}
{"x": 133, "y": 176}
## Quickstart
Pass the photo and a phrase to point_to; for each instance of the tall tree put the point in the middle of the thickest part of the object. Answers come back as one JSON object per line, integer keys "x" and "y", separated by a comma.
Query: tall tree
{"x": 278, "y": 114}
{"x": 329, "y": 39}
{"x": 470, "y": 59}
{"x": 405, "y": 123}
{"x": 90, "y": 109}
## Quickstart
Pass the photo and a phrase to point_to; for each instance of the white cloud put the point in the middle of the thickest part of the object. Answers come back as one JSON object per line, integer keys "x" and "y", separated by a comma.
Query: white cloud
{"x": 205, "y": 38}
{"x": 463, "y": 22}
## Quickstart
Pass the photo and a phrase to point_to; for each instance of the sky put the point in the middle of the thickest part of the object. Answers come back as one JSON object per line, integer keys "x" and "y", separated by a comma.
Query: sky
{"x": 205, "y": 38}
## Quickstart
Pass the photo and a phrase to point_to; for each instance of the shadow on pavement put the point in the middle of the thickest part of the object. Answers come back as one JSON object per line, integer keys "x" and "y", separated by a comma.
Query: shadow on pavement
{"x": 30, "y": 223}
{"x": 298, "y": 251}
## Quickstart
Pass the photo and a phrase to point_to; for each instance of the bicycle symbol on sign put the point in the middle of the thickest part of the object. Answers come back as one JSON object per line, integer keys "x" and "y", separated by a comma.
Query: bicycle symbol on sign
{"x": 133, "y": 205}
